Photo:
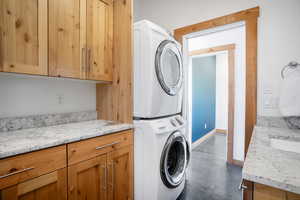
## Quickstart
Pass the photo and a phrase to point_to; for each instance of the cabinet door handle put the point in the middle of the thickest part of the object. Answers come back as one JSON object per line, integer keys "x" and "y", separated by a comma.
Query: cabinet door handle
{"x": 242, "y": 186}
{"x": 105, "y": 177}
{"x": 17, "y": 172}
{"x": 107, "y": 145}
{"x": 112, "y": 177}
{"x": 83, "y": 59}
{"x": 89, "y": 60}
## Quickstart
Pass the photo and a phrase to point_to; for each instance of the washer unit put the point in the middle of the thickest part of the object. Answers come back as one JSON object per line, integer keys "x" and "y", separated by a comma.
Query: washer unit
{"x": 158, "y": 72}
{"x": 161, "y": 158}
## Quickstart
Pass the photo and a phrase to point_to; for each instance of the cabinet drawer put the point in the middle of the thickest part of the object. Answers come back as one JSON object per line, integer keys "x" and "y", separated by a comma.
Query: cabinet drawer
{"x": 23, "y": 167}
{"x": 83, "y": 150}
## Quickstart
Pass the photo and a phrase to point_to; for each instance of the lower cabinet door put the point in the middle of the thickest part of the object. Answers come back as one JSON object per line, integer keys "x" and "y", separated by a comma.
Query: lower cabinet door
{"x": 46, "y": 187}
{"x": 292, "y": 196}
{"x": 120, "y": 179}
{"x": 248, "y": 190}
{"x": 87, "y": 179}
{"x": 263, "y": 192}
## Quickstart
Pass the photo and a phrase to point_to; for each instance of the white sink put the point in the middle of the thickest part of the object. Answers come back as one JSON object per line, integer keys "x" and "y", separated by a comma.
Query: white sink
{"x": 286, "y": 144}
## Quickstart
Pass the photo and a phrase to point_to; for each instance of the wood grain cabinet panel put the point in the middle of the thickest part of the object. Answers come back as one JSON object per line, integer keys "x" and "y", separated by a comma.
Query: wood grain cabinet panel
{"x": 81, "y": 39}
{"x": 20, "y": 168}
{"x": 47, "y": 187}
{"x": 105, "y": 176}
{"x": 65, "y": 49}
{"x": 120, "y": 167}
{"x": 263, "y": 192}
{"x": 84, "y": 150}
{"x": 292, "y": 196}
{"x": 99, "y": 39}
{"x": 69, "y": 38}
{"x": 101, "y": 169}
{"x": 88, "y": 180}
{"x": 23, "y": 36}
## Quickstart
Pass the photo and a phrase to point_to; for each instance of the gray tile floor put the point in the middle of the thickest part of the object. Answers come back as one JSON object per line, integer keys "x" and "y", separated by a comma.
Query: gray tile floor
{"x": 209, "y": 177}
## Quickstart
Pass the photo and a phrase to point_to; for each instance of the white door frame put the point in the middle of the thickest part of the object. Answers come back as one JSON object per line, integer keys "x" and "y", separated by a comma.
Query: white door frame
{"x": 186, "y": 108}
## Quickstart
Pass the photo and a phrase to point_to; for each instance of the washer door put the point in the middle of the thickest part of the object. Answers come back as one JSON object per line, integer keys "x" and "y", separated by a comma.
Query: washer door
{"x": 174, "y": 160}
{"x": 168, "y": 66}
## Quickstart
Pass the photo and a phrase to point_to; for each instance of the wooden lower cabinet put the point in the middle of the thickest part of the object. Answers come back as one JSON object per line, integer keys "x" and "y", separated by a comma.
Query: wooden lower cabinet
{"x": 263, "y": 192}
{"x": 99, "y": 169}
{"x": 46, "y": 187}
{"x": 105, "y": 177}
{"x": 88, "y": 179}
{"x": 120, "y": 174}
{"x": 248, "y": 191}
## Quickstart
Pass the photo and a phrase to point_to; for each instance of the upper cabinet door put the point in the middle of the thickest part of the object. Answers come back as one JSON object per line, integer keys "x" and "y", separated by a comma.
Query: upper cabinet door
{"x": 99, "y": 24}
{"x": 23, "y": 38}
{"x": 65, "y": 51}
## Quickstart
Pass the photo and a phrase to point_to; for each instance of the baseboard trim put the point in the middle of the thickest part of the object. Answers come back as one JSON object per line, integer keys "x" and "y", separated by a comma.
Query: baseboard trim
{"x": 224, "y": 131}
{"x": 202, "y": 139}
{"x": 238, "y": 162}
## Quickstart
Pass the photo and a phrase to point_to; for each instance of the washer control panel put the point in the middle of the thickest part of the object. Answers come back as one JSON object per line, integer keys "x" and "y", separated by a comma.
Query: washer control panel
{"x": 173, "y": 122}
{"x": 179, "y": 120}
{"x": 168, "y": 124}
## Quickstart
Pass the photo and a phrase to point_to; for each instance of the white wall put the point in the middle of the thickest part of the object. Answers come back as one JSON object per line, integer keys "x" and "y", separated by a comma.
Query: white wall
{"x": 231, "y": 36}
{"x": 222, "y": 91}
{"x": 136, "y": 9}
{"x": 278, "y": 32}
{"x": 22, "y": 95}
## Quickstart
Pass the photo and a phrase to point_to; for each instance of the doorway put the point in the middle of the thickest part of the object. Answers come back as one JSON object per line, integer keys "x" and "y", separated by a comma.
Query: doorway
{"x": 231, "y": 39}
{"x": 250, "y": 18}
{"x": 212, "y": 106}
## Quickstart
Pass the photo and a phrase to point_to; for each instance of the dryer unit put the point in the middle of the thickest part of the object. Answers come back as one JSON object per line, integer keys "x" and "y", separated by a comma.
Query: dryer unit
{"x": 158, "y": 72}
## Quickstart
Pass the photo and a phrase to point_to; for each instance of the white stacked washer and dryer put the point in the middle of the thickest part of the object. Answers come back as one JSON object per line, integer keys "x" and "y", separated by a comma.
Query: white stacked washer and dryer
{"x": 160, "y": 146}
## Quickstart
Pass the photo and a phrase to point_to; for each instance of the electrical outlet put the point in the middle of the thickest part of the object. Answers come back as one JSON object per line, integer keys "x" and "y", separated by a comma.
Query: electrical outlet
{"x": 60, "y": 99}
{"x": 270, "y": 101}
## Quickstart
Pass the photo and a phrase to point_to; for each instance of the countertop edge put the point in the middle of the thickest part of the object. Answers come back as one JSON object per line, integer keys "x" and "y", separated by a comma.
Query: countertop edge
{"x": 66, "y": 141}
{"x": 271, "y": 183}
{"x": 262, "y": 180}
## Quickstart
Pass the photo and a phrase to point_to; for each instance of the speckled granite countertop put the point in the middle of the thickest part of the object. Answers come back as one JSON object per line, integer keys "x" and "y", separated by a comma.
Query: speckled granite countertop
{"x": 27, "y": 140}
{"x": 269, "y": 166}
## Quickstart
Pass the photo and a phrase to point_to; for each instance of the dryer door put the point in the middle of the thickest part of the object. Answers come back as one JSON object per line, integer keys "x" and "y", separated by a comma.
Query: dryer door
{"x": 173, "y": 160}
{"x": 168, "y": 66}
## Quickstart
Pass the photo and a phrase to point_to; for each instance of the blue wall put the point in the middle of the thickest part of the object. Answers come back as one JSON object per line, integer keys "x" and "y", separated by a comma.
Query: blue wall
{"x": 203, "y": 95}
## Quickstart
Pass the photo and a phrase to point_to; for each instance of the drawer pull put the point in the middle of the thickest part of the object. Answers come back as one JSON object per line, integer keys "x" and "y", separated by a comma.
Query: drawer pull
{"x": 107, "y": 145}
{"x": 17, "y": 172}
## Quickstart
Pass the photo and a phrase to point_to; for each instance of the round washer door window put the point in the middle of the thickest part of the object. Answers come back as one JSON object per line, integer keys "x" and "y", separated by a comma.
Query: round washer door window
{"x": 174, "y": 160}
{"x": 168, "y": 66}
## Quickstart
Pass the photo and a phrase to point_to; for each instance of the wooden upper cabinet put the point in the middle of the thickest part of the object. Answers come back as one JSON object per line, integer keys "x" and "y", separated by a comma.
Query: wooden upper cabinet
{"x": 23, "y": 38}
{"x": 65, "y": 48}
{"x": 99, "y": 37}
{"x": 88, "y": 179}
{"x": 62, "y": 38}
{"x": 80, "y": 39}
{"x": 47, "y": 187}
{"x": 120, "y": 174}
